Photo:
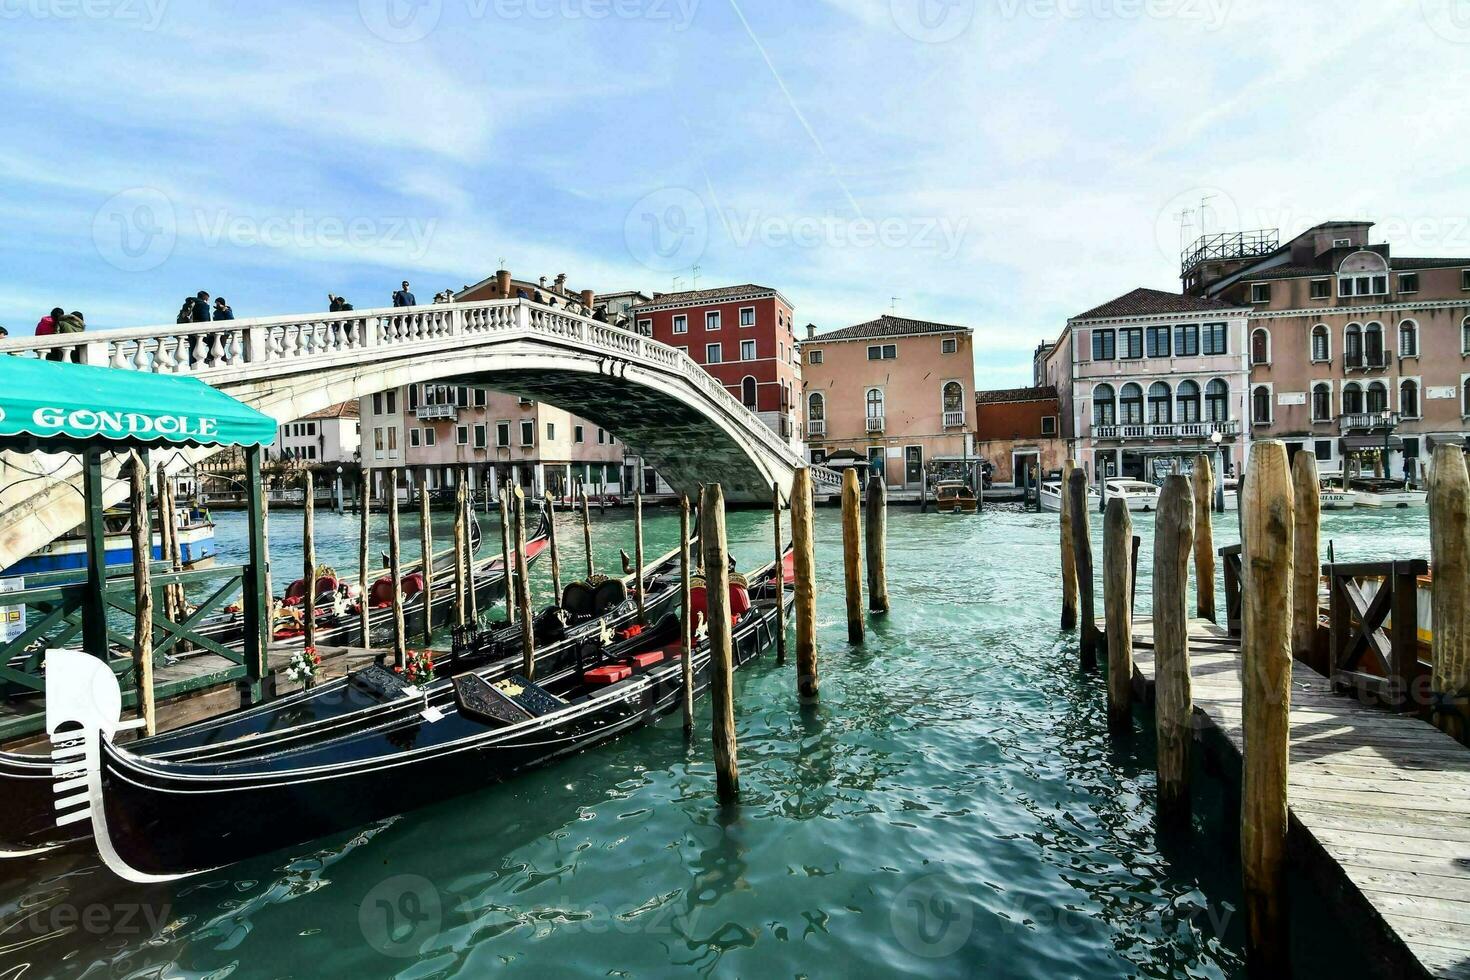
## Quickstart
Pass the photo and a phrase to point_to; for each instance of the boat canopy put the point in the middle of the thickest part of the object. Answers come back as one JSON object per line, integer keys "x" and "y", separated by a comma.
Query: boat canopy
{"x": 51, "y": 404}
{"x": 1353, "y": 444}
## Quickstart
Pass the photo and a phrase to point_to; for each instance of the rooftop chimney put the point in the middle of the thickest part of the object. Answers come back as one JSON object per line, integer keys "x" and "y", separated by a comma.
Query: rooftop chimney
{"x": 502, "y": 283}
{"x": 561, "y": 282}
{"x": 588, "y": 296}
{"x": 811, "y": 330}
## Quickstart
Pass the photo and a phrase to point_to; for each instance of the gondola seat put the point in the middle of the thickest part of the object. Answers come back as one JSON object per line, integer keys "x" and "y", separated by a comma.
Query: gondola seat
{"x": 296, "y": 591}
{"x": 326, "y": 583}
{"x": 381, "y": 594}
{"x": 648, "y": 658}
{"x": 578, "y": 599}
{"x": 608, "y": 674}
{"x": 739, "y": 602}
{"x": 412, "y": 585}
{"x": 608, "y": 596}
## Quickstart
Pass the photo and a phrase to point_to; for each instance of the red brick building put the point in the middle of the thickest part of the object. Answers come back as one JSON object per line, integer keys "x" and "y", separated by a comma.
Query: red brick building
{"x": 742, "y": 335}
{"x": 1016, "y": 427}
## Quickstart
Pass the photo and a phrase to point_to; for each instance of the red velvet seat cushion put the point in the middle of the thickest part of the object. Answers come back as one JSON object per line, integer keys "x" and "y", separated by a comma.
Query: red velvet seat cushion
{"x": 610, "y": 674}
{"x": 648, "y": 659}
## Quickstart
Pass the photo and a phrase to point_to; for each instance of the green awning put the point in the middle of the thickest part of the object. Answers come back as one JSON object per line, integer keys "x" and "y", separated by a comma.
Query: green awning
{"x": 50, "y": 404}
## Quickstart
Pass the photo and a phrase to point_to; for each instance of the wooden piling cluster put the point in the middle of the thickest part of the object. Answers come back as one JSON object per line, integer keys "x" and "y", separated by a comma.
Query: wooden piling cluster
{"x": 686, "y": 674}
{"x": 852, "y": 555}
{"x": 1076, "y": 491}
{"x": 875, "y": 517}
{"x": 395, "y": 573}
{"x": 426, "y": 548}
{"x": 808, "y": 681}
{"x": 523, "y": 591}
{"x": 1069, "y": 555}
{"x": 1306, "y": 559}
{"x": 460, "y": 608}
{"x": 1204, "y": 537}
{"x": 780, "y": 555}
{"x": 364, "y": 612}
{"x": 638, "y": 554}
{"x": 472, "y": 602}
{"x": 551, "y": 543}
{"x": 505, "y": 556}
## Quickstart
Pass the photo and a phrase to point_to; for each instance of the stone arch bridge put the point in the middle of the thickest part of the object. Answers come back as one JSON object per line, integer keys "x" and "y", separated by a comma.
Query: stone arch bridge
{"x": 655, "y": 398}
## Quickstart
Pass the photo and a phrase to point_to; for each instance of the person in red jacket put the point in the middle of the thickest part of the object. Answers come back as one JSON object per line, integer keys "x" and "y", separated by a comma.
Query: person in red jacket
{"x": 47, "y": 324}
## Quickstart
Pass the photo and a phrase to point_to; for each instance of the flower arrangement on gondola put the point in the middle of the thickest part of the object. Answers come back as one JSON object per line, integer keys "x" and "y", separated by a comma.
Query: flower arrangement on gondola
{"x": 303, "y": 666}
{"x": 418, "y": 668}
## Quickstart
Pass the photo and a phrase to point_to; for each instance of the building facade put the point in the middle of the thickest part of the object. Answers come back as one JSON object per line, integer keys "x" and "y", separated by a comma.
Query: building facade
{"x": 1148, "y": 380}
{"x": 1019, "y": 428}
{"x": 333, "y": 435}
{"x": 1355, "y": 353}
{"x": 743, "y": 336}
{"x": 898, "y": 391}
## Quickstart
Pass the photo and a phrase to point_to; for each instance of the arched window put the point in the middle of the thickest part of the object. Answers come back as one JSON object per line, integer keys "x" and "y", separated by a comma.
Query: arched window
{"x": 1261, "y": 404}
{"x": 1186, "y": 397}
{"x": 1409, "y": 399}
{"x": 747, "y": 392}
{"x": 1352, "y": 345}
{"x": 1408, "y": 339}
{"x": 954, "y": 396}
{"x": 1352, "y": 398}
{"x": 1373, "y": 341}
{"x": 1159, "y": 407}
{"x": 1321, "y": 403}
{"x": 816, "y": 407}
{"x": 1130, "y": 405}
{"x": 1465, "y": 335}
{"x": 1260, "y": 346}
{"x": 1321, "y": 343}
{"x": 1217, "y": 401}
{"x": 875, "y": 403}
{"x": 1378, "y": 397}
{"x": 1465, "y": 400}
{"x": 1104, "y": 410}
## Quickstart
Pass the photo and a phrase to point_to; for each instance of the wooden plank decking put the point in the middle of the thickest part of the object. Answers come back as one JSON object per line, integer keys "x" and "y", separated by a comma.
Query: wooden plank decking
{"x": 1384, "y": 796}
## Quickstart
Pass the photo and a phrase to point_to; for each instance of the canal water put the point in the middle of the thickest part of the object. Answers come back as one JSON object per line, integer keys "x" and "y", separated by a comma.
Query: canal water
{"x": 953, "y": 807}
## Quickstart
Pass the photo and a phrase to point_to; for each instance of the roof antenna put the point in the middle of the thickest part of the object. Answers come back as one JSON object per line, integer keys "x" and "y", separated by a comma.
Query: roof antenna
{"x": 1204, "y": 201}
{"x": 694, "y": 275}
{"x": 893, "y": 304}
{"x": 1183, "y": 217}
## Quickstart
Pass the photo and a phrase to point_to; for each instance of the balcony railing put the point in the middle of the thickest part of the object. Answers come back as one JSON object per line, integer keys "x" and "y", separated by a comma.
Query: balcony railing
{"x": 1373, "y": 360}
{"x": 875, "y": 423}
{"x": 954, "y": 420}
{"x": 1167, "y": 430}
{"x": 1365, "y": 421}
{"x": 816, "y": 427}
{"x": 428, "y": 412}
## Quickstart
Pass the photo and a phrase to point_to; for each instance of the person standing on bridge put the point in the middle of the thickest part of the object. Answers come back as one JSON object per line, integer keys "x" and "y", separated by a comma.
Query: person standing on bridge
{"x": 201, "y": 307}
{"x": 222, "y": 309}
{"x": 403, "y": 297}
{"x": 46, "y": 326}
{"x": 338, "y": 304}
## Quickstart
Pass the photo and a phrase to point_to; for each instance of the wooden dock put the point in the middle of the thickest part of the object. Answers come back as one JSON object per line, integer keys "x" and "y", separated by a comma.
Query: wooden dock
{"x": 1383, "y": 797}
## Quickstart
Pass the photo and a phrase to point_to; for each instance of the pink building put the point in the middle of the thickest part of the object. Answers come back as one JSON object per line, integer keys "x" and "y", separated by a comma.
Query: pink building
{"x": 1354, "y": 352}
{"x": 899, "y": 391}
{"x": 1147, "y": 380}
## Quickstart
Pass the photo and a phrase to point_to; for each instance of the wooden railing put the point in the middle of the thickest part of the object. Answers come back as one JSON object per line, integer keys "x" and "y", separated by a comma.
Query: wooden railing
{"x": 1374, "y": 630}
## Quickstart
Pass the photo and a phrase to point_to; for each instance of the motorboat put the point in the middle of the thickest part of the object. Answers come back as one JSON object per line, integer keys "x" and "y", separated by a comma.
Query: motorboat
{"x": 1337, "y": 497}
{"x": 954, "y": 497}
{"x": 1051, "y": 496}
{"x": 1387, "y": 494}
{"x": 1137, "y": 494}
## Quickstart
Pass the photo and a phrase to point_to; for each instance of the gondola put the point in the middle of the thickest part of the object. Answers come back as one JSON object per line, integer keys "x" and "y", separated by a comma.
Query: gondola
{"x": 157, "y": 820}
{"x": 361, "y": 699}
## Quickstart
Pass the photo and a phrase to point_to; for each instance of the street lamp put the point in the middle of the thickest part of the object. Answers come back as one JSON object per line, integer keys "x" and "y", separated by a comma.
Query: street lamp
{"x": 1218, "y": 440}
{"x": 339, "y": 489}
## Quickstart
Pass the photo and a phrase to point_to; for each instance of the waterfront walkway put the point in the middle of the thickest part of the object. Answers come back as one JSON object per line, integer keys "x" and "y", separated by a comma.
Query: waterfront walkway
{"x": 1380, "y": 802}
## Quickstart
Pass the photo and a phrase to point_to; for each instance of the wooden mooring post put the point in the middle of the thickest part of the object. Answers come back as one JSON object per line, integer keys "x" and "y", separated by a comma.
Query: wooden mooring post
{"x": 1306, "y": 564}
{"x": 1266, "y": 506}
{"x": 1449, "y": 551}
{"x": 506, "y": 560}
{"x": 781, "y": 575}
{"x": 852, "y": 554}
{"x": 638, "y": 552}
{"x": 721, "y": 663}
{"x": 875, "y": 518}
{"x": 308, "y": 562}
{"x": 459, "y": 550}
{"x": 1173, "y": 691}
{"x": 364, "y": 612}
{"x": 142, "y": 593}
{"x": 808, "y": 680}
{"x": 1069, "y": 556}
{"x": 1117, "y": 605}
{"x": 395, "y": 573}
{"x": 426, "y": 545}
{"x": 587, "y": 534}
{"x": 1204, "y": 538}
{"x": 686, "y": 671}
{"x": 555, "y": 556}
{"x": 472, "y": 602}
{"x": 1082, "y": 553}
{"x": 523, "y": 592}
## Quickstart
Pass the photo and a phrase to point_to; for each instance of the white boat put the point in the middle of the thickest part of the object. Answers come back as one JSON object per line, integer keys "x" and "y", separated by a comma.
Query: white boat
{"x": 1051, "y": 496}
{"x": 1387, "y": 494}
{"x": 1232, "y": 493}
{"x": 1337, "y": 498}
{"x": 1137, "y": 494}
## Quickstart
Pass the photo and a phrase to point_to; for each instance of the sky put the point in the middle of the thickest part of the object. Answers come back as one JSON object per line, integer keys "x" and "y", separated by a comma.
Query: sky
{"x": 1001, "y": 164}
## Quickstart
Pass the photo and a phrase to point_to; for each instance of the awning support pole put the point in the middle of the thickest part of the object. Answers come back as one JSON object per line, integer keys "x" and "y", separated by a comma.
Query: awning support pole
{"x": 255, "y": 604}
{"x": 94, "y": 607}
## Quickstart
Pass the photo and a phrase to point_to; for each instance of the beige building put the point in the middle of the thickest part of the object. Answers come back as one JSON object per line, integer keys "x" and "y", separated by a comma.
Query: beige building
{"x": 900, "y": 392}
